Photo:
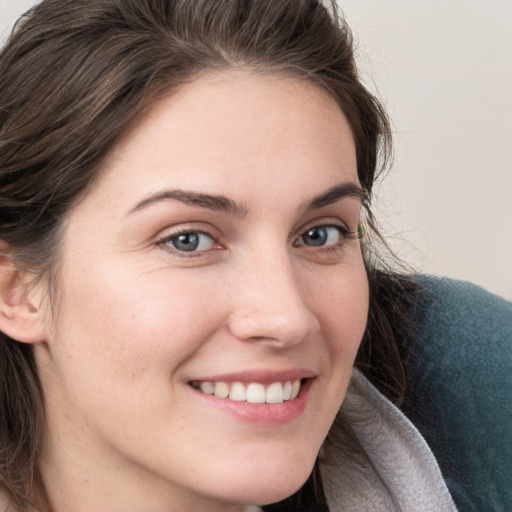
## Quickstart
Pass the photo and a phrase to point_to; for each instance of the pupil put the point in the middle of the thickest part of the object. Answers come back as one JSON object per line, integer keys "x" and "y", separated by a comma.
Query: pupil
{"x": 186, "y": 242}
{"x": 316, "y": 236}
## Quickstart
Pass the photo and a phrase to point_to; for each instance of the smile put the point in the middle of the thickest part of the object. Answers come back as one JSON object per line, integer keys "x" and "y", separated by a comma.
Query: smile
{"x": 253, "y": 392}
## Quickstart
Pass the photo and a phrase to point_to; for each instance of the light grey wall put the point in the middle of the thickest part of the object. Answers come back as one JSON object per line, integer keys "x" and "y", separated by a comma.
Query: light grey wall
{"x": 444, "y": 69}
{"x": 9, "y": 12}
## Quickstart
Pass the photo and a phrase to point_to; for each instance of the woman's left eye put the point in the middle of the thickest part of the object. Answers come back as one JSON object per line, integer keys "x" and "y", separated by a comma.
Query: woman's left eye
{"x": 189, "y": 241}
{"x": 321, "y": 236}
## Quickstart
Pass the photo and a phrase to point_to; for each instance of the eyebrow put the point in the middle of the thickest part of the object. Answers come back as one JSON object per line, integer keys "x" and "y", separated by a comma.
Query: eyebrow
{"x": 217, "y": 203}
{"x": 334, "y": 194}
{"x": 223, "y": 204}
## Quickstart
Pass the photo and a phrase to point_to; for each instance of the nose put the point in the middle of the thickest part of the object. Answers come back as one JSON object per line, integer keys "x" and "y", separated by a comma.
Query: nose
{"x": 270, "y": 303}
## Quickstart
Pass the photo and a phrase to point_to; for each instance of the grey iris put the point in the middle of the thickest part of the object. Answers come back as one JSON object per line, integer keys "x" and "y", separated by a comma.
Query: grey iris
{"x": 186, "y": 242}
{"x": 315, "y": 236}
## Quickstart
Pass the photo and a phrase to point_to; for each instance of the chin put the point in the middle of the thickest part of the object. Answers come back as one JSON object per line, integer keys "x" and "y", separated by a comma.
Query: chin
{"x": 278, "y": 492}
{"x": 271, "y": 492}
{"x": 270, "y": 482}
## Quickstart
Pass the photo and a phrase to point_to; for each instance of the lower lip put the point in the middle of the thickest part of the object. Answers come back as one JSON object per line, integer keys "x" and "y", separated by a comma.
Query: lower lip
{"x": 262, "y": 414}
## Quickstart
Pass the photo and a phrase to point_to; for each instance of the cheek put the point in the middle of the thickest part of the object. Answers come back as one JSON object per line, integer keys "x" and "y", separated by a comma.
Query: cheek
{"x": 341, "y": 304}
{"x": 130, "y": 325}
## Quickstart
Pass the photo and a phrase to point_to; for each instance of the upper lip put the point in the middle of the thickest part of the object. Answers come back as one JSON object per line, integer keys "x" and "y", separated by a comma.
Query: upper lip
{"x": 261, "y": 376}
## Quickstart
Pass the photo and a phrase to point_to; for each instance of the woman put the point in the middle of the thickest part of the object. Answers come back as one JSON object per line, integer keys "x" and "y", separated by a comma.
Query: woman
{"x": 184, "y": 284}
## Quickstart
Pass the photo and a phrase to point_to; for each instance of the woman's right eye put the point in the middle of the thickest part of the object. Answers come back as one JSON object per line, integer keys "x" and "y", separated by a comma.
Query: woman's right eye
{"x": 189, "y": 241}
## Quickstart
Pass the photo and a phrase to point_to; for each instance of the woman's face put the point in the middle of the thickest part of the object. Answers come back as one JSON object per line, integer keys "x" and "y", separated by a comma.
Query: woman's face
{"x": 216, "y": 252}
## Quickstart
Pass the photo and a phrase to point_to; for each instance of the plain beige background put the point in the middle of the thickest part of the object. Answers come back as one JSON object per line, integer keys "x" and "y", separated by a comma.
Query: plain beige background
{"x": 444, "y": 70}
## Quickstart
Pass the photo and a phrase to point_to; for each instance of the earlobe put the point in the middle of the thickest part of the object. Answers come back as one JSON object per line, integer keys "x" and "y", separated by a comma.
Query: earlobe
{"x": 20, "y": 318}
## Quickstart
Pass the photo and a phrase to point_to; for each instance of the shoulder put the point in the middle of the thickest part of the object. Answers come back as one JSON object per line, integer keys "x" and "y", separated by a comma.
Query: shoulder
{"x": 460, "y": 364}
{"x": 457, "y": 305}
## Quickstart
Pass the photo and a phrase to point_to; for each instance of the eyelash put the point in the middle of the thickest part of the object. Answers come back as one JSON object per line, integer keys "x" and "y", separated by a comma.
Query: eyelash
{"x": 166, "y": 240}
{"x": 345, "y": 235}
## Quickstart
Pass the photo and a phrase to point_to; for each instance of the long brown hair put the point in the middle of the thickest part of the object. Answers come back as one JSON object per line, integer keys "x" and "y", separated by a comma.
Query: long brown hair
{"x": 76, "y": 73}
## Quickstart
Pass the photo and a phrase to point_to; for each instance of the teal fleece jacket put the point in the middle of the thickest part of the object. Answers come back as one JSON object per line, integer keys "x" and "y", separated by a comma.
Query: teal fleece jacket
{"x": 460, "y": 363}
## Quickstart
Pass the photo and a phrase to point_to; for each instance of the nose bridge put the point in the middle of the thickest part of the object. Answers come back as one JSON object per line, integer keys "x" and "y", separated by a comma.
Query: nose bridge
{"x": 270, "y": 302}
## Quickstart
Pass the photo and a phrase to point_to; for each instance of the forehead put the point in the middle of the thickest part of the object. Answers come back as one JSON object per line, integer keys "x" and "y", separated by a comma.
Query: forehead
{"x": 233, "y": 127}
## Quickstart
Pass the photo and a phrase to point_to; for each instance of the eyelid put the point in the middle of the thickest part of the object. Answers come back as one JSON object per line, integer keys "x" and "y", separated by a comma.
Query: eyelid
{"x": 179, "y": 228}
{"x": 328, "y": 221}
{"x": 344, "y": 234}
{"x": 166, "y": 235}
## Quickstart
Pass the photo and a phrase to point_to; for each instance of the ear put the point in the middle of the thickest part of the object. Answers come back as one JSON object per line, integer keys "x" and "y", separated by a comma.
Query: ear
{"x": 20, "y": 317}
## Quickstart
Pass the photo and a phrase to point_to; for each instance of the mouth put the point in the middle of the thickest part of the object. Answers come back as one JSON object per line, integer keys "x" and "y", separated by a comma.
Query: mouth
{"x": 252, "y": 392}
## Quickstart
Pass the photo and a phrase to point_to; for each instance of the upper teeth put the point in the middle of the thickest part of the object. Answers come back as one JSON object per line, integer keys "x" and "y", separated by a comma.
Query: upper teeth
{"x": 254, "y": 392}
